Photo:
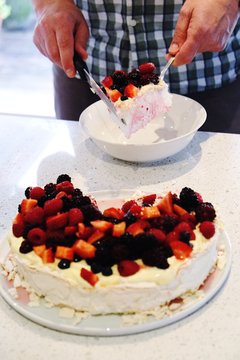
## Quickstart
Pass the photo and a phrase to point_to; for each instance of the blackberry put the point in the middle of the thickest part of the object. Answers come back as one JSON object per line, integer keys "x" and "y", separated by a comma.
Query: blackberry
{"x": 184, "y": 236}
{"x": 67, "y": 203}
{"x": 25, "y": 247}
{"x": 119, "y": 252}
{"x": 90, "y": 212}
{"x": 77, "y": 193}
{"x": 120, "y": 78}
{"x": 205, "y": 212}
{"x": 96, "y": 268}
{"x": 129, "y": 218}
{"x": 154, "y": 78}
{"x": 176, "y": 200}
{"x": 124, "y": 97}
{"x": 155, "y": 257}
{"x": 189, "y": 199}
{"x": 166, "y": 222}
{"x": 27, "y": 192}
{"x": 134, "y": 77}
{"x": 64, "y": 264}
{"x": 63, "y": 177}
{"x": 50, "y": 188}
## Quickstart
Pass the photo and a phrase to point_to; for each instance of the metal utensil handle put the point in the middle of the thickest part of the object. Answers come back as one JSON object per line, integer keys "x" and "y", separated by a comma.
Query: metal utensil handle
{"x": 164, "y": 70}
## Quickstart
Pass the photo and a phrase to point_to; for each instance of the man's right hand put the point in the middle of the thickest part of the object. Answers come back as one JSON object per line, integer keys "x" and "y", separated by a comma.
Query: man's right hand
{"x": 60, "y": 30}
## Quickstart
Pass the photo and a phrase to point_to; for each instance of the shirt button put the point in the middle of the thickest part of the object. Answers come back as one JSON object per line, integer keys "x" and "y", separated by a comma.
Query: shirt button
{"x": 132, "y": 22}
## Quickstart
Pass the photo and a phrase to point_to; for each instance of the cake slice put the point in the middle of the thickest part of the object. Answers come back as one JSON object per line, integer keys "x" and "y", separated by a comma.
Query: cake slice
{"x": 138, "y": 96}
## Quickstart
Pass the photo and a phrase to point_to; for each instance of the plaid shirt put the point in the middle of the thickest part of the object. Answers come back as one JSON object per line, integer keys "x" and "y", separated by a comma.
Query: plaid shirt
{"x": 126, "y": 33}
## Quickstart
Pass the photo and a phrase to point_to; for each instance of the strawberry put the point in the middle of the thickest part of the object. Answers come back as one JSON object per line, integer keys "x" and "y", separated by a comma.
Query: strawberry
{"x": 190, "y": 219}
{"x": 84, "y": 249}
{"x": 179, "y": 210}
{"x": 128, "y": 267}
{"x": 207, "y": 228}
{"x": 89, "y": 276}
{"x": 107, "y": 82}
{"x": 158, "y": 233}
{"x": 57, "y": 221}
{"x": 135, "y": 209}
{"x": 34, "y": 216}
{"x": 84, "y": 231}
{"x": 114, "y": 95}
{"x": 52, "y": 207}
{"x": 60, "y": 194}
{"x": 149, "y": 199}
{"x": 48, "y": 256}
{"x": 127, "y": 205}
{"x": 131, "y": 91}
{"x": 180, "y": 250}
{"x": 95, "y": 236}
{"x": 150, "y": 212}
{"x": 135, "y": 229}
{"x": 27, "y": 204}
{"x": 65, "y": 186}
{"x": 102, "y": 225}
{"x": 113, "y": 213}
{"x": 75, "y": 216}
{"x": 119, "y": 229}
{"x": 39, "y": 249}
{"x": 37, "y": 192}
{"x": 185, "y": 227}
{"x": 64, "y": 252}
{"x": 18, "y": 226}
{"x": 37, "y": 236}
{"x": 165, "y": 205}
{"x": 147, "y": 68}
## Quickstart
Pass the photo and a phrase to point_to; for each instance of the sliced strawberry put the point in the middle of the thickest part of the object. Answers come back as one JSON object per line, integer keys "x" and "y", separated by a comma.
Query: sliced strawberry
{"x": 128, "y": 267}
{"x": 119, "y": 229}
{"x": 18, "y": 226}
{"x": 84, "y": 249}
{"x": 131, "y": 91}
{"x": 180, "y": 250}
{"x": 149, "y": 199}
{"x": 207, "y": 228}
{"x": 158, "y": 233}
{"x": 135, "y": 209}
{"x": 65, "y": 186}
{"x": 27, "y": 204}
{"x": 37, "y": 236}
{"x": 179, "y": 210}
{"x": 75, "y": 216}
{"x": 95, "y": 236}
{"x": 114, "y": 95}
{"x": 34, "y": 216}
{"x": 52, "y": 207}
{"x": 37, "y": 192}
{"x": 127, "y": 205}
{"x": 172, "y": 236}
{"x": 147, "y": 68}
{"x": 89, "y": 276}
{"x": 135, "y": 229}
{"x": 102, "y": 225}
{"x": 113, "y": 213}
{"x": 39, "y": 249}
{"x": 48, "y": 256}
{"x": 57, "y": 221}
{"x": 107, "y": 82}
{"x": 165, "y": 205}
{"x": 64, "y": 252}
{"x": 150, "y": 212}
{"x": 60, "y": 194}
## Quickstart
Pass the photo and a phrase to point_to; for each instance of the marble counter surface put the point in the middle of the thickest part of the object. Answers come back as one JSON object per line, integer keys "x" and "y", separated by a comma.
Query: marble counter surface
{"x": 35, "y": 151}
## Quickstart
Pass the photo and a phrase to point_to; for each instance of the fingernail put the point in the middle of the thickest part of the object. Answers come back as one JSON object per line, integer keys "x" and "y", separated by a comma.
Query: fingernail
{"x": 70, "y": 73}
{"x": 173, "y": 48}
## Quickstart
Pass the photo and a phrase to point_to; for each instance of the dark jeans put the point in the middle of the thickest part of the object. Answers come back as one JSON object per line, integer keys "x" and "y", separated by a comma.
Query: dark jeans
{"x": 72, "y": 96}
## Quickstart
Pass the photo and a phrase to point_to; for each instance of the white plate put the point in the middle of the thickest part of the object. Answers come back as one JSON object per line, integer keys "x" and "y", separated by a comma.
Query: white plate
{"x": 162, "y": 137}
{"x": 111, "y": 325}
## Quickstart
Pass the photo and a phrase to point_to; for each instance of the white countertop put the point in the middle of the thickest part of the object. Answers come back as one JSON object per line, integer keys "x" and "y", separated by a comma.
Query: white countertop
{"x": 35, "y": 151}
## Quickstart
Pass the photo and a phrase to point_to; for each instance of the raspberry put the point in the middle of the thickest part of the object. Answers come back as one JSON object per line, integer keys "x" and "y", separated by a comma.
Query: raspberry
{"x": 34, "y": 216}
{"x": 205, "y": 211}
{"x": 207, "y": 228}
{"x": 75, "y": 216}
{"x": 36, "y": 236}
{"x": 52, "y": 207}
{"x": 37, "y": 192}
{"x": 65, "y": 186}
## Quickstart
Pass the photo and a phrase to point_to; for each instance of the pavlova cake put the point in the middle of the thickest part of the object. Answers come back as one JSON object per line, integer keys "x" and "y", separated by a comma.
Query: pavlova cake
{"x": 138, "y": 96}
{"x": 146, "y": 252}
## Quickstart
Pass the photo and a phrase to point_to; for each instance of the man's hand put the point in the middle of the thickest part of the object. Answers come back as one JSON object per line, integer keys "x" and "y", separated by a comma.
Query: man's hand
{"x": 60, "y": 29}
{"x": 204, "y": 25}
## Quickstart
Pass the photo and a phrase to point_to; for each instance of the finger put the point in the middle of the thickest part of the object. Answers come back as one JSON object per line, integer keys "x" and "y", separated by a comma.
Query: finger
{"x": 180, "y": 33}
{"x": 65, "y": 41}
{"x": 187, "y": 52}
{"x": 81, "y": 40}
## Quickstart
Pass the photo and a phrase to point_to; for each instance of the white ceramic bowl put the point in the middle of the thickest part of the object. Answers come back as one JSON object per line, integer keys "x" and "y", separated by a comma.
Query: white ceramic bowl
{"x": 162, "y": 137}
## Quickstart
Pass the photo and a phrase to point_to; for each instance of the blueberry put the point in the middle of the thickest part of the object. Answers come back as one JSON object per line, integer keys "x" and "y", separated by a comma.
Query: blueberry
{"x": 64, "y": 264}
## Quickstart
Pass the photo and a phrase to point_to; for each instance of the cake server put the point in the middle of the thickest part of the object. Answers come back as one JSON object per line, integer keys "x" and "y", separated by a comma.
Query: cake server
{"x": 84, "y": 74}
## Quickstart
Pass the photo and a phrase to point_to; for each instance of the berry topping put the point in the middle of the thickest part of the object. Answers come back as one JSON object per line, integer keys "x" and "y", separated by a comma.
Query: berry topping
{"x": 127, "y": 267}
{"x": 130, "y": 91}
{"x": 205, "y": 211}
{"x": 189, "y": 199}
{"x": 36, "y": 236}
{"x": 147, "y": 68}
{"x": 207, "y": 228}
{"x": 63, "y": 177}
{"x": 89, "y": 276}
